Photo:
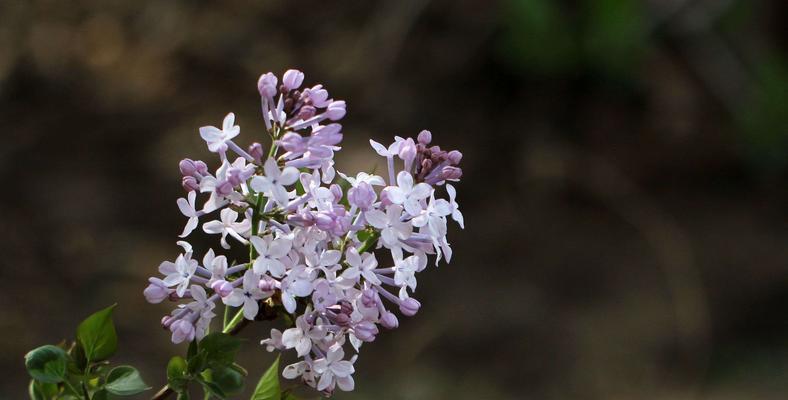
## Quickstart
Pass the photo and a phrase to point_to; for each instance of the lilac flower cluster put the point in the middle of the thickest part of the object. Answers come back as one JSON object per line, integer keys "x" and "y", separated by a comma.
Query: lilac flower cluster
{"x": 311, "y": 236}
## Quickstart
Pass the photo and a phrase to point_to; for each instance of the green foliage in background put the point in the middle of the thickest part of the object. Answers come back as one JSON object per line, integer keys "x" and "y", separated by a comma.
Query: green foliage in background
{"x": 82, "y": 370}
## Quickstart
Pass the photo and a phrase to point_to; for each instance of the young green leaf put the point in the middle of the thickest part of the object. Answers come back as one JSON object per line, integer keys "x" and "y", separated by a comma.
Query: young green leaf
{"x": 228, "y": 379}
{"x": 42, "y": 391}
{"x": 47, "y": 364}
{"x": 97, "y": 337}
{"x": 125, "y": 381}
{"x": 268, "y": 387}
{"x": 219, "y": 348}
{"x": 177, "y": 373}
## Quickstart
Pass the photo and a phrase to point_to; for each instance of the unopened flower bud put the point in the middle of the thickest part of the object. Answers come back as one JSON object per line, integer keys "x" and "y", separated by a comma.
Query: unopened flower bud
{"x": 365, "y": 331}
{"x": 224, "y": 188}
{"x": 454, "y": 157}
{"x": 256, "y": 151}
{"x": 342, "y": 320}
{"x": 336, "y": 191}
{"x": 345, "y": 307}
{"x": 156, "y": 291}
{"x": 222, "y": 287}
{"x": 266, "y": 85}
{"x": 425, "y": 137}
{"x": 201, "y": 167}
{"x": 292, "y": 79}
{"x": 336, "y": 110}
{"x": 306, "y": 112}
{"x": 190, "y": 184}
{"x": 267, "y": 284}
{"x": 409, "y": 307}
{"x": 389, "y": 320}
{"x": 368, "y": 298}
{"x": 187, "y": 167}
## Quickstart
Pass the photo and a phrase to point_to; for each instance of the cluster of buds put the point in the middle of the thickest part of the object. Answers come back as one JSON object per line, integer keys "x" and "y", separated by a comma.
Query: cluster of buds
{"x": 311, "y": 236}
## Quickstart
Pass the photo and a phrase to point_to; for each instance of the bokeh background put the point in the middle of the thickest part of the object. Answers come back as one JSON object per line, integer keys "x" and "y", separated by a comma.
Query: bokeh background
{"x": 625, "y": 180}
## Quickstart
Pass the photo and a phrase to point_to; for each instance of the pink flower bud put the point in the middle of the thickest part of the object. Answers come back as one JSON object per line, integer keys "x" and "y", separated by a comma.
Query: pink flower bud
{"x": 266, "y": 85}
{"x": 156, "y": 291}
{"x": 256, "y": 151}
{"x": 407, "y": 151}
{"x": 267, "y": 284}
{"x": 409, "y": 307}
{"x": 365, "y": 331}
{"x": 368, "y": 298}
{"x": 342, "y": 320}
{"x": 190, "y": 184}
{"x": 202, "y": 167}
{"x": 455, "y": 157}
{"x": 292, "y": 79}
{"x": 336, "y": 110}
{"x": 306, "y": 112}
{"x": 425, "y": 137}
{"x": 389, "y": 320}
{"x": 222, "y": 287}
{"x": 224, "y": 188}
{"x": 187, "y": 167}
{"x": 336, "y": 191}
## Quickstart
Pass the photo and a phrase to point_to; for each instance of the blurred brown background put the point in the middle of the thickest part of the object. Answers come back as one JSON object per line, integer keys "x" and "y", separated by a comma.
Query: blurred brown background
{"x": 624, "y": 191}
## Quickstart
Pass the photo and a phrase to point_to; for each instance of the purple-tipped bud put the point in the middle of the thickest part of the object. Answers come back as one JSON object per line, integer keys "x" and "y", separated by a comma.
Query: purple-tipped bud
{"x": 267, "y": 284}
{"x": 202, "y": 167}
{"x": 187, "y": 167}
{"x": 455, "y": 157}
{"x": 407, "y": 151}
{"x": 224, "y": 188}
{"x": 362, "y": 196}
{"x": 342, "y": 320}
{"x": 302, "y": 220}
{"x": 190, "y": 184}
{"x": 425, "y": 137}
{"x": 336, "y": 110}
{"x": 166, "y": 321}
{"x": 222, "y": 287}
{"x": 368, "y": 298}
{"x": 389, "y": 320}
{"x": 256, "y": 151}
{"x": 365, "y": 331}
{"x": 266, "y": 85}
{"x": 345, "y": 307}
{"x": 156, "y": 291}
{"x": 324, "y": 221}
{"x": 182, "y": 330}
{"x": 292, "y": 79}
{"x": 385, "y": 199}
{"x": 409, "y": 307}
{"x": 306, "y": 112}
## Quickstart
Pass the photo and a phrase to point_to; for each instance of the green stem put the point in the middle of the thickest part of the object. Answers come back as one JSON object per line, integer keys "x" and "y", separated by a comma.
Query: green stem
{"x": 239, "y": 316}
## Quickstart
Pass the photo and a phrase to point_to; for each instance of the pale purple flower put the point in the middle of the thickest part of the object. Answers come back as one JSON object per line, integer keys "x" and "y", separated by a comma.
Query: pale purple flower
{"x": 247, "y": 295}
{"x": 156, "y": 291}
{"x": 455, "y": 208}
{"x": 217, "y": 138}
{"x": 182, "y": 330}
{"x": 300, "y": 337}
{"x": 274, "y": 342}
{"x": 274, "y": 182}
{"x": 407, "y": 194}
{"x": 359, "y": 266}
{"x": 334, "y": 369}
{"x": 434, "y": 217}
{"x": 178, "y": 273}
{"x": 392, "y": 229}
{"x": 188, "y": 208}
{"x": 228, "y": 226}
{"x": 270, "y": 250}
{"x": 292, "y": 79}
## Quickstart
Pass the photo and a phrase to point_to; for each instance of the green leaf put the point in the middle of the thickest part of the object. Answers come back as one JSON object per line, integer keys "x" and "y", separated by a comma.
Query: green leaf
{"x": 192, "y": 349}
{"x": 228, "y": 379}
{"x": 47, "y": 364}
{"x": 210, "y": 387}
{"x": 268, "y": 387}
{"x": 198, "y": 362}
{"x": 220, "y": 349}
{"x": 125, "y": 380}
{"x": 176, "y": 373}
{"x": 97, "y": 335}
{"x": 289, "y": 396}
{"x": 42, "y": 391}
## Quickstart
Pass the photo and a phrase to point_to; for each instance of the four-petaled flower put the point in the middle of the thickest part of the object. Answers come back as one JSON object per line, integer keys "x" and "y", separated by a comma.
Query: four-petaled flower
{"x": 335, "y": 369}
{"x": 274, "y": 182}
{"x": 217, "y": 138}
{"x": 247, "y": 295}
{"x": 270, "y": 250}
{"x": 178, "y": 273}
{"x": 229, "y": 226}
{"x": 408, "y": 195}
{"x": 392, "y": 228}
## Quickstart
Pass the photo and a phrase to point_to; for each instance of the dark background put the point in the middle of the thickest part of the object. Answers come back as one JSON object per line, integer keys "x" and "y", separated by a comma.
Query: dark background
{"x": 624, "y": 190}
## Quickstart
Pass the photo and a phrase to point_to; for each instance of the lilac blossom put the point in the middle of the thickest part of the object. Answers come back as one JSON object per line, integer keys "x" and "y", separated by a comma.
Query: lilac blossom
{"x": 308, "y": 244}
